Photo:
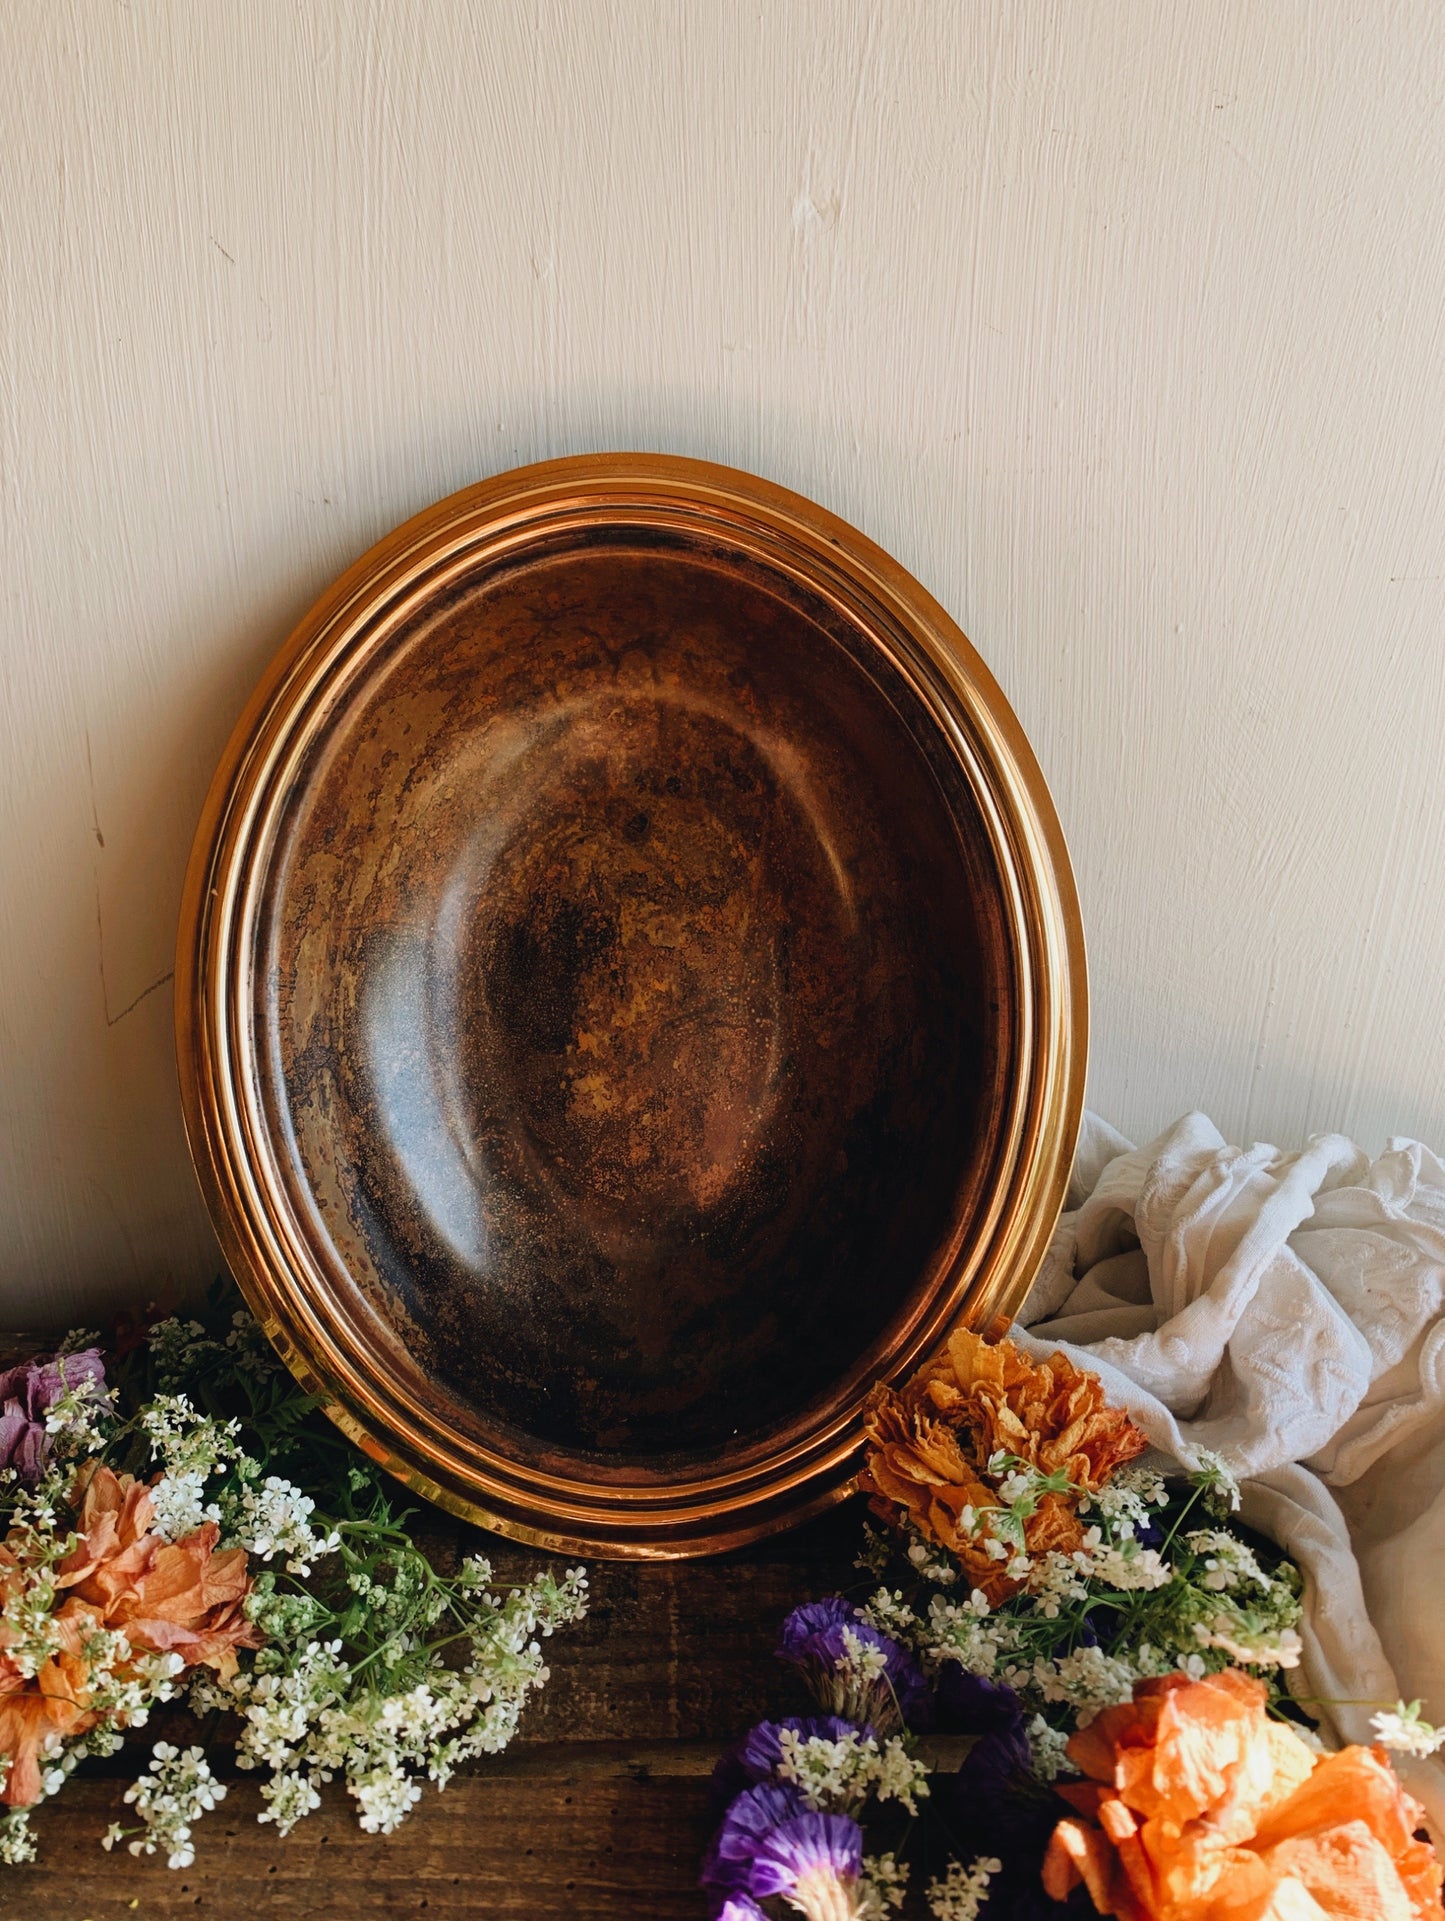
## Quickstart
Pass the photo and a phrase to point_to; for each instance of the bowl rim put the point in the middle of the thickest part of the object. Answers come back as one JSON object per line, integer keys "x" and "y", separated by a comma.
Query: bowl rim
{"x": 280, "y": 1276}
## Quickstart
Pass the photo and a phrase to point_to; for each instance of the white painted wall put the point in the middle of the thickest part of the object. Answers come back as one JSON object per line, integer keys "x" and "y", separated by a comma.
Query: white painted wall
{"x": 1122, "y": 324}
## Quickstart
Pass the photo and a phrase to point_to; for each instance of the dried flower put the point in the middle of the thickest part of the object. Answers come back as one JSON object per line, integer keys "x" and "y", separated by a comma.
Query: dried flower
{"x": 167, "y": 1596}
{"x": 1198, "y": 1805}
{"x": 854, "y": 1669}
{"x": 815, "y": 1862}
{"x": 755, "y": 1758}
{"x": 987, "y": 1453}
{"x": 39, "y": 1400}
{"x": 383, "y": 1672}
{"x": 727, "y": 1866}
{"x": 38, "y": 1712}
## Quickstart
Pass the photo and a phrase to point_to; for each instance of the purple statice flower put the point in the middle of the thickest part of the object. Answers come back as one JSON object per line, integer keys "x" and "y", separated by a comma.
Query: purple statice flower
{"x": 756, "y": 1757}
{"x": 825, "y": 1640}
{"x": 740, "y": 1907}
{"x": 27, "y": 1394}
{"x": 814, "y": 1862}
{"x": 727, "y": 1866}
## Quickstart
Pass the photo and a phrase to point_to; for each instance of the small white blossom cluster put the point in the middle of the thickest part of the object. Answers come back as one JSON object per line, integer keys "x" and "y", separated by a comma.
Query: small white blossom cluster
{"x": 169, "y": 1798}
{"x": 273, "y": 1519}
{"x": 308, "y": 1717}
{"x": 186, "y": 1442}
{"x": 268, "y": 1516}
{"x": 967, "y": 1632}
{"x": 862, "y": 1662}
{"x": 180, "y": 1505}
{"x": 176, "y": 1348}
{"x": 1262, "y": 1647}
{"x": 251, "y": 1353}
{"x": 836, "y": 1777}
{"x": 1086, "y": 1680}
{"x": 76, "y": 1422}
{"x": 883, "y": 1887}
{"x": 1047, "y": 1749}
{"x": 1213, "y": 1474}
{"x": 961, "y": 1893}
{"x": 1403, "y": 1729}
{"x": 1126, "y": 1567}
{"x": 1228, "y": 1561}
{"x": 932, "y": 1565}
{"x": 1127, "y": 1495}
{"x": 17, "y": 1845}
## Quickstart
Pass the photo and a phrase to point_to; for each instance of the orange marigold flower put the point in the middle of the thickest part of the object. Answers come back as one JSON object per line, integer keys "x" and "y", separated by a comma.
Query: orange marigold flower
{"x": 931, "y": 1443}
{"x": 180, "y": 1597}
{"x": 1200, "y": 1808}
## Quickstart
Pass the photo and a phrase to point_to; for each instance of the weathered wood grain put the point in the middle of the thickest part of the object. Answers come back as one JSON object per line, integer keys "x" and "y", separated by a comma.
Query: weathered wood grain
{"x": 494, "y": 1845}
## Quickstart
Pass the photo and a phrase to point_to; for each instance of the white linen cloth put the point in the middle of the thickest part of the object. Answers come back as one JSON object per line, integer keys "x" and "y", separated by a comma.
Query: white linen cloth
{"x": 1286, "y": 1311}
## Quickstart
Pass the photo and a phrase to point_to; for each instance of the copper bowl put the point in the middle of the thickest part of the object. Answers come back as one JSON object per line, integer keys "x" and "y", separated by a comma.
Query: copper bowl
{"x": 630, "y": 998}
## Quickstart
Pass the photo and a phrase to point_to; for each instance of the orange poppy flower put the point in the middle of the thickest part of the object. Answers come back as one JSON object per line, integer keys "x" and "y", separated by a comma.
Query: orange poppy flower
{"x": 931, "y": 1443}
{"x": 1198, "y": 1807}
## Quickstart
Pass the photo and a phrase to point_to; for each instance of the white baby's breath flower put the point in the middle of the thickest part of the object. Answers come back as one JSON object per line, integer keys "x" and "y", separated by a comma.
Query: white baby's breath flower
{"x": 385, "y": 1794}
{"x": 173, "y": 1794}
{"x": 180, "y": 1504}
{"x": 185, "y": 1441}
{"x": 1268, "y": 1648}
{"x": 1088, "y": 1679}
{"x": 882, "y": 1887}
{"x": 1403, "y": 1729}
{"x": 16, "y": 1842}
{"x": 1228, "y": 1561}
{"x": 1127, "y": 1495}
{"x": 891, "y": 1614}
{"x": 961, "y": 1893}
{"x": 75, "y": 1420}
{"x": 289, "y": 1798}
{"x": 861, "y": 1662}
{"x": 1047, "y": 1749}
{"x": 275, "y": 1518}
{"x": 1129, "y": 1568}
{"x": 1056, "y": 1578}
{"x": 1213, "y": 1475}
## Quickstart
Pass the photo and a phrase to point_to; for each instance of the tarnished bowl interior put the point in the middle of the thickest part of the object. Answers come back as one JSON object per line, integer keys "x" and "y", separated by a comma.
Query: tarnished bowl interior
{"x": 625, "y": 1001}
{"x": 632, "y": 1001}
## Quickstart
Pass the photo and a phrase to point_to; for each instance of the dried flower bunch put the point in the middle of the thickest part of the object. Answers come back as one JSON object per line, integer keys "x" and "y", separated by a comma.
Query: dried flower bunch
{"x": 1117, "y": 1645}
{"x": 952, "y": 1454}
{"x": 1199, "y": 1805}
{"x": 185, "y": 1527}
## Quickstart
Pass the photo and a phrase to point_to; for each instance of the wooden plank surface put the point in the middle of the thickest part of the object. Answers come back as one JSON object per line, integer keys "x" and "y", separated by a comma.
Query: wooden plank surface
{"x": 599, "y": 1808}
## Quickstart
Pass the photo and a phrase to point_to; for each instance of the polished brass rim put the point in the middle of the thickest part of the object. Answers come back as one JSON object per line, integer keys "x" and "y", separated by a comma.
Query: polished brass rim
{"x": 280, "y": 1272}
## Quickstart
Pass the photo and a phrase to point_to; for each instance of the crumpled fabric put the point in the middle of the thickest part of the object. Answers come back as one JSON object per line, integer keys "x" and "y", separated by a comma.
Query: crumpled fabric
{"x": 1287, "y": 1312}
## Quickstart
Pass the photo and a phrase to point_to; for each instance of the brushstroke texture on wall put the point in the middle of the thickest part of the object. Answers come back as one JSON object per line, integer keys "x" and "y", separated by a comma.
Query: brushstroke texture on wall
{"x": 1122, "y": 324}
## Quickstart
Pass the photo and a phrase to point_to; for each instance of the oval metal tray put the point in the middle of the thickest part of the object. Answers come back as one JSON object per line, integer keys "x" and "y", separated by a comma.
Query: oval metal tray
{"x": 630, "y": 997}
